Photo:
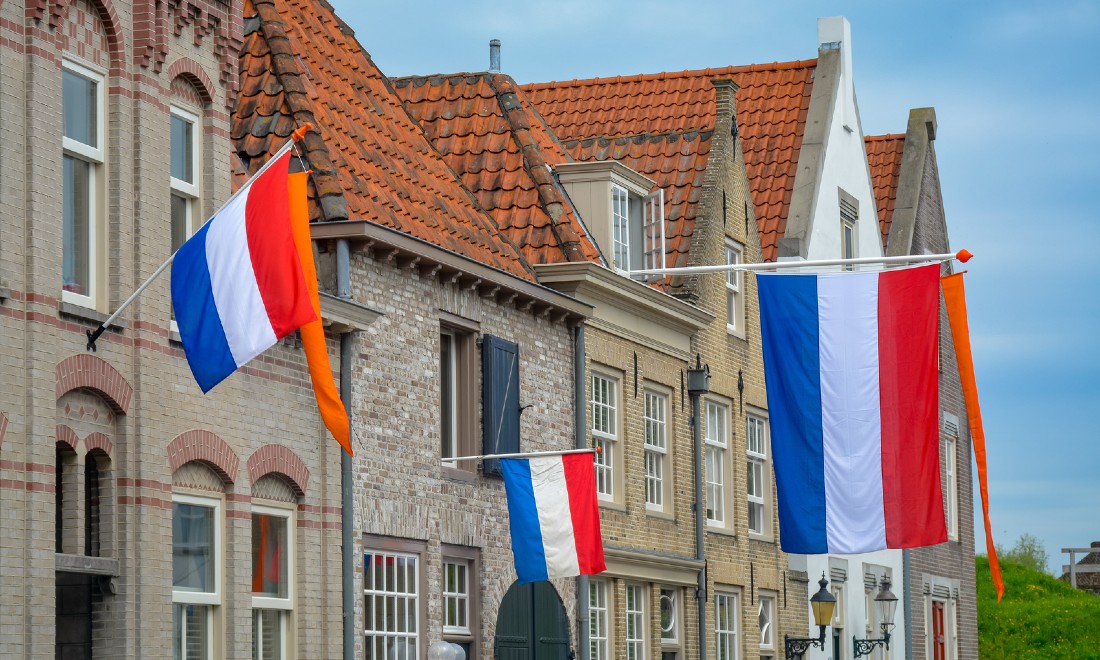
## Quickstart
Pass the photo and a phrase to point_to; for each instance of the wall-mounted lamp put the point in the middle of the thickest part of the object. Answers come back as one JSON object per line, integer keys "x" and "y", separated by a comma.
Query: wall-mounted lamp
{"x": 822, "y": 603}
{"x": 887, "y": 604}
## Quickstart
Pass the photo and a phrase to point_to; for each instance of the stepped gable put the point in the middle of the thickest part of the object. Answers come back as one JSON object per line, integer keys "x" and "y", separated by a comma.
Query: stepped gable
{"x": 772, "y": 103}
{"x": 300, "y": 63}
{"x": 884, "y": 160}
{"x": 503, "y": 152}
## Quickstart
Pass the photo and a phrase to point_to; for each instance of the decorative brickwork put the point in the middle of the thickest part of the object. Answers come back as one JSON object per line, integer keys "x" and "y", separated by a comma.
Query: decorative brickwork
{"x": 207, "y": 448}
{"x": 281, "y": 460}
{"x": 99, "y": 441}
{"x": 188, "y": 70}
{"x": 98, "y": 14}
{"x": 208, "y": 17}
{"x": 67, "y": 436}
{"x": 3, "y": 428}
{"x": 95, "y": 374}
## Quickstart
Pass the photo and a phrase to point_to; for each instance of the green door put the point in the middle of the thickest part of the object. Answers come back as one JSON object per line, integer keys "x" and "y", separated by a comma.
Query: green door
{"x": 531, "y": 624}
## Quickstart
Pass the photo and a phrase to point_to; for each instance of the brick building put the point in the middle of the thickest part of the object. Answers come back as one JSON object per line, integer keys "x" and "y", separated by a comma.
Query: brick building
{"x": 131, "y": 504}
{"x": 940, "y": 589}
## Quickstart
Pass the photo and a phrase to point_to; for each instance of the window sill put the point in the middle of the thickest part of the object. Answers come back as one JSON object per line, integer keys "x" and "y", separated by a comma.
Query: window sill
{"x": 89, "y": 315}
{"x": 458, "y": 474}
{"x": 612, "y": 506}
{"x": 762, "y": 538}
{"x": 734, "y": 332}
{"x": 720, "y": 531}
{"x": 660, "y": 515}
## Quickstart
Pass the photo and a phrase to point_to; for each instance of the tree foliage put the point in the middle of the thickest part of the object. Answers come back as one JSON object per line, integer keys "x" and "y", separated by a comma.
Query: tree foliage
{"x": 1029, "y": 552}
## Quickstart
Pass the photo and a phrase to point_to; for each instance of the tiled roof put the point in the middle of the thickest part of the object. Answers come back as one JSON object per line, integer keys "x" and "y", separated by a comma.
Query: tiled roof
{"x": 371, "y": 161}
{"x": 884, "y": 159}
{"x": 772, "y": 104}
{"x": 500, "y": 147}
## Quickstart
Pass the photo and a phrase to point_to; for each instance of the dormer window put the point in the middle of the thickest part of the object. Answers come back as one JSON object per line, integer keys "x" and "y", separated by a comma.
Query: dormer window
{"x": 622, "y": 212}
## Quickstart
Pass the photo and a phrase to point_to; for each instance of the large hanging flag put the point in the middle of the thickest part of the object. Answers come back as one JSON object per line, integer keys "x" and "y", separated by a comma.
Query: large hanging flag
{"x": 237, "y": 284}
{"x": 852, "y": 382}
{"x": 954, "y": 295}
{"x": 313, "y": 333}
{"x": 554, "y": 517}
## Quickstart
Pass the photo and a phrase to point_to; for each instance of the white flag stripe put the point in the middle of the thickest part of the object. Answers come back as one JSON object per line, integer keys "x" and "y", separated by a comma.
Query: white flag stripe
{"x": 552, "y": 503}
{"x": 237, "y": 295}
{"x": 848, "y": 337}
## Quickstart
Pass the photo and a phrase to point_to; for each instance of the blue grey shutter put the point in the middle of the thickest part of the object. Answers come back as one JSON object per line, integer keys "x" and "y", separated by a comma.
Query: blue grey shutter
{"x": 499, "y": 400}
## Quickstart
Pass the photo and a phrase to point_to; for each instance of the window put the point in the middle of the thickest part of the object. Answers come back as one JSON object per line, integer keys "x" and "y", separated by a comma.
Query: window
{"x": 849, "y": 217}
{"x": 758, "y": 481}
{"x": 735, "y": 299}
{"x": 391, "y": 590}
{"x": 605, "y": 433}
{"x": 655, "y": 421}
{"x": 196, "y": 574}
{"x": 456, "y": 596}
{"x": 637, "y": 230}
{"x": 82, "y": 173}
{"x": 840, "y": 640}
{"x": 598, "y": 620}
{"x": 714, "y": 438}
{"x": 726, "y": 613}
{"x": 272, "y": 581}
{"x": 457, "y": 388}
{"x": 766, "y": 616}
{"x": 499, "y": 399}
{"x": 951, "y": 477}
{"x": 185, "y": 169}
{"x": 942, "y": 634}
{"x": 670, "y": 622}
{"x": 635, "y": 622}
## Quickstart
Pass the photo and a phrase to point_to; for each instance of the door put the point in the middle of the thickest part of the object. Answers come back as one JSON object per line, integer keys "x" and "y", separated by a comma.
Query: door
{"x": 532, "y": 625}
{"x": 939, "y": 643}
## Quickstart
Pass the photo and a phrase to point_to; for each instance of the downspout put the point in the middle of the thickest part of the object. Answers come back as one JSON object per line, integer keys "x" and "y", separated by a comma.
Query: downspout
{"x": 347, "y": 519}
{"x": 581, "y": 425}
{"x": 907, "y": 597}
{"x": 698, "y": 383}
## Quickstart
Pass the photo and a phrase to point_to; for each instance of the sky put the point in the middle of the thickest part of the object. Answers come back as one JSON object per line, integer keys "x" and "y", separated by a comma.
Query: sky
{"x": 1017, "y": 97}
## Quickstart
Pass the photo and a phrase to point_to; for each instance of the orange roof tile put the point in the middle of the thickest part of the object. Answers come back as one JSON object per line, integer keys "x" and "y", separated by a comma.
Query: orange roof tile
{"x": 772, "y": 104}
{"x": 501, "y": 148}
{"x": 884, "y": 160}
{"x": 300, "y": 63}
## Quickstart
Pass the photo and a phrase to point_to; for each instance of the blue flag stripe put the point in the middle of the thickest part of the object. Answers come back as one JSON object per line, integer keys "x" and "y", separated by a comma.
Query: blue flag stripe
{"x": 197, "y": 316}
{"x": 792, "y": 371}
{"x": 527, "y": 546}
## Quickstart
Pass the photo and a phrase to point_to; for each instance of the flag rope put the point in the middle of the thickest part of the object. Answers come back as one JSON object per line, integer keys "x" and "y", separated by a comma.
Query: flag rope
{"x": 961, "y": 255}
{"x": 524, "y": 454}
{"x": 93, "y": 335}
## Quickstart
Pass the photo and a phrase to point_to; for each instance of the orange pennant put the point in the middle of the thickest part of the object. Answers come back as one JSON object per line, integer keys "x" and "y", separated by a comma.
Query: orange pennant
{"x": 313, "y": 334}
{"x": 955, "y": 297}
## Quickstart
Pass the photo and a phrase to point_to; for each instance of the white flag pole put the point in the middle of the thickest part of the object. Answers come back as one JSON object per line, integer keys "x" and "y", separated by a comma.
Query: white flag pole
{"x": 961, "y": 255}
{"x": 525, "y": 454}
{"x": 94, "y": 335}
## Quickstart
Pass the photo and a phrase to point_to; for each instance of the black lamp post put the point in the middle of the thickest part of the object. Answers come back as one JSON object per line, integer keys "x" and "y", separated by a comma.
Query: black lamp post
{"x": 822, "y": 603}
{"x": 887, "y": 604}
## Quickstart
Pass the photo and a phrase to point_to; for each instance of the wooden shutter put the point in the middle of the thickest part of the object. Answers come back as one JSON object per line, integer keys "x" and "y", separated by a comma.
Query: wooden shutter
{"x": 499, "y": 400}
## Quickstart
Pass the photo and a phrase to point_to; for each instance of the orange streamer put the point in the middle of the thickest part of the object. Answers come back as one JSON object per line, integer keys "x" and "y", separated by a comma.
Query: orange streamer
{"x": 955, "y": 297}
{"x": 313, "y": 334}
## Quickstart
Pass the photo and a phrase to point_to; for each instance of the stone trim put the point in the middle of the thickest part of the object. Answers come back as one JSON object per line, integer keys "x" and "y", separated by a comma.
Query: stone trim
{"x": 280, "y": 460}
{"x": 207, "y": 448}
{"x": 94, "y": 373}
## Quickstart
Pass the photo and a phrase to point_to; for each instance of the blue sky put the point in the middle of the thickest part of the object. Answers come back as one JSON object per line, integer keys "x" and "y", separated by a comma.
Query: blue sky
{"x": 1017, "y": 96}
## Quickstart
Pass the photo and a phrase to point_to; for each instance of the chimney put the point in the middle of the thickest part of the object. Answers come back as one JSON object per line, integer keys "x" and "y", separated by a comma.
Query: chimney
{"x": 494, "y": 56}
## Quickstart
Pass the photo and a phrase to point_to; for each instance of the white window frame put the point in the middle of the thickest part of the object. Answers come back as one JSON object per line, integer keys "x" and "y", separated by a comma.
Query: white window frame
{"x": 414, "y": 597}
{"x": 756, "y": 433}
{"x": 461, "y": 598}
{"x": 735, "y": 290}
{"x": 726, "y": 635}
{"x": 637, "y": 622}
{"x": 94, "y": 156}
{"x": 716, "y": 444}
{"x": 637, "y": 230}
{"x": 620, "y": 227}
{"x": 849, "y": 224}
{"x": 190, "y": 191}
{"x": 839, "y": 616}
{"x": 951, "y": 474}
{"x": 766, "y": 605}
{"x": 212, "y": 599}
{"x": 655, "y": 443}
{"x": 599, "y": 613}
{"x": 671, "y": 642}
{"x": 285, "y": 606}
{"x": 606, "y": 436}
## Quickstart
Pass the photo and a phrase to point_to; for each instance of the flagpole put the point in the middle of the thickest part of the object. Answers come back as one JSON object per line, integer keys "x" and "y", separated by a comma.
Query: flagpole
{"x": 961, "y": 255}
{"x": 526, "y": 454}
{"x": 93, "y": 335}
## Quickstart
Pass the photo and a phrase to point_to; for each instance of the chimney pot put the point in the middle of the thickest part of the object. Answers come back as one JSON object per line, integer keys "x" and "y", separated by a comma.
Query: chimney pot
{"x": 494, "y": 56}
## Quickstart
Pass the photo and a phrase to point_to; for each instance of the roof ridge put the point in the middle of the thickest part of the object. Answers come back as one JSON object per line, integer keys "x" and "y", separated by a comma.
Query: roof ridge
{"x": 668, "y": 75}
{"x": 881, "y": 138}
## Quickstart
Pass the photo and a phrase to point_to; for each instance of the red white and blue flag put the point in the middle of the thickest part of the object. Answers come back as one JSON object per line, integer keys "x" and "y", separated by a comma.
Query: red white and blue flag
{"x": 850, "y": 363}
{"x": 237, "y": 284}
{"x": 554, "y": 517}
